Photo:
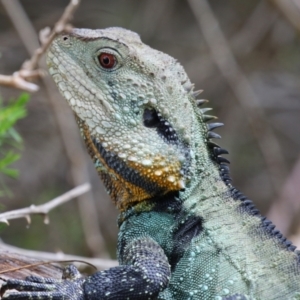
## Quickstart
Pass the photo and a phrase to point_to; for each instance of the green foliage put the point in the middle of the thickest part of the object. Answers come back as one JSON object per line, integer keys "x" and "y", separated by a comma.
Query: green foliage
{"x": 10, "y": 140}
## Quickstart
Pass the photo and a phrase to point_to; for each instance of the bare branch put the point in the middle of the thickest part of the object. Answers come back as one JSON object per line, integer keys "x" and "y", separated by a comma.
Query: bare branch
{"x": 44, "y": 208}
{"x": 254, "y": 29}
{"x": 243, "y": 90}
{"x": 66, "y": 126}
{"x": 291, "y": 10}
{"x": 48, "y": 256}
{"x": 20, "y": 79}
{"x": 284, "y": 209}
{"x": 60, "y": 26}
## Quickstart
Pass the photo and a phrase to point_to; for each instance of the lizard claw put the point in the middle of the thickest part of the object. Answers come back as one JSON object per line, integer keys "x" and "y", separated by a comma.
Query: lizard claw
{"x": 70, "y": 287}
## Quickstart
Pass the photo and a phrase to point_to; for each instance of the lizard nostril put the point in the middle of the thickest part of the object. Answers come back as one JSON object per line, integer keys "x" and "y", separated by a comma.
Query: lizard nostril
{"x": 65, "y": 38}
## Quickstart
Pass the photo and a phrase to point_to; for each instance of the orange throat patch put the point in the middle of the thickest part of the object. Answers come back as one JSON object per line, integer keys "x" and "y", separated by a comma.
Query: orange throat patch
{"x": 129, "y": 182}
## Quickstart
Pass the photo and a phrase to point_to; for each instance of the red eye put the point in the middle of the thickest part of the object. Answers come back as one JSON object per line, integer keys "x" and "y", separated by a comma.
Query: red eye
{"x": 107, "y": 60}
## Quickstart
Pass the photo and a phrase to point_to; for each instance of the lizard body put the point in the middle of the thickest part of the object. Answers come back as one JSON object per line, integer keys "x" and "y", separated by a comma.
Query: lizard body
{"x": 185, "y": 231}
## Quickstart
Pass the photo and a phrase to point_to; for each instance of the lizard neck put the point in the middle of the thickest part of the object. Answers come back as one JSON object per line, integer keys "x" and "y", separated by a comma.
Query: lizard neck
{"x": 209, "y": 172}
{"x": 207, "y": 184}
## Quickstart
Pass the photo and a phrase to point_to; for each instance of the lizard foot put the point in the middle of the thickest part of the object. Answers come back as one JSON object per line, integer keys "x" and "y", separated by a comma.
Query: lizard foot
{"x": 40, "y": 288}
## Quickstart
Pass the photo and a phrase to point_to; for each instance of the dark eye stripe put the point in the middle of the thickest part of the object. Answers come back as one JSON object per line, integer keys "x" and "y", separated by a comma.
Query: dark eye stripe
{"x": 152, "y": 119}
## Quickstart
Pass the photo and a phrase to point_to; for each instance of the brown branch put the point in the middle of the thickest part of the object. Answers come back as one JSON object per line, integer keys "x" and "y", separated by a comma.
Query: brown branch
{"x": 48, "y": 256}
{"x": 254, "y": 29}
{"x": 60, "y": 26}
{"x": 243, "y": 90}
{"x": 20, "y": 78}
{"x": 45, "y": 208}
{"x": 285, "y": 208}
{"x": 291, "y": 11}
{"x": 17, "y": 15}
{"x": 44, "y": 263}
{"x": 66, "y": 125}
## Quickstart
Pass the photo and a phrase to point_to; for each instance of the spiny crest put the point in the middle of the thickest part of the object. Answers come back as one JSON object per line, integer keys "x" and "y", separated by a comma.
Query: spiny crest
{"x": 267, "y": 226}
{"x": 216, "y": 151}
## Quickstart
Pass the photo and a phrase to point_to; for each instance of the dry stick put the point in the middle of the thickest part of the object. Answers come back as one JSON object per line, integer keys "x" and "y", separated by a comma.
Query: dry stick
{"x": 287, "y": 204}
{"x": 284, "y": 209}
{"x": 254, "y": 29}
{"x": 44, "y": 209}
{"x": 18, "y": 81}
{"x": 244, "y": 41}
{"x": 241, "y": 87}
{"x": 151, "y": 16}
{"x": 20, "y": 78}
{"x": 68, "y": 131}
{"x": 22, "y": 24}
{"x": 76, "y": 155}
{"x": 14, "y": 8}
{"x": 48, "y": 256}
{"x": 43, "y": 263}
{"x": 290, "y": 9}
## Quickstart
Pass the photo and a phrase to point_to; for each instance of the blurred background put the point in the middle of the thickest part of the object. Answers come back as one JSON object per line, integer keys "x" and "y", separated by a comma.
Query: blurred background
{"x": 244, "y": 54}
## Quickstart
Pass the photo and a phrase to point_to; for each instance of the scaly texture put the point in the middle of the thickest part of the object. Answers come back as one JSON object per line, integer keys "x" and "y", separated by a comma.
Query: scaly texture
{"x": 185, "y": 231}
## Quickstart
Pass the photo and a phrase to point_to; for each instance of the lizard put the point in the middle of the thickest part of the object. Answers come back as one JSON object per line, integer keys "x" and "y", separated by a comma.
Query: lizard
{"x": 185, "y": 231}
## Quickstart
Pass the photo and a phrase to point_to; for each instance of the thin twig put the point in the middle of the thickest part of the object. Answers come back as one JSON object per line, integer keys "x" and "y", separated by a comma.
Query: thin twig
{"x": 291, "y": 11}
{"x": 44, "y": 209}
{"x": 60, "y": 26}
{"x": 16, "y": 13}
{"x": 65, "y": 122}
{"x": 284, "y": 209}
{"x": 44, "y": 263}
{"x": 48, "y": 256}
{"x": 254, "y": 29}
{"x": 20, "y": 78}
{"x": 67, "y": 129}
{"x": 243, "y": 90}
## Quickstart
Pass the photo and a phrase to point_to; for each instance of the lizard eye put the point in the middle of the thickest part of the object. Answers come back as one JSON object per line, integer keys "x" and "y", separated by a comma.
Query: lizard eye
{"x": 107, "y": 60}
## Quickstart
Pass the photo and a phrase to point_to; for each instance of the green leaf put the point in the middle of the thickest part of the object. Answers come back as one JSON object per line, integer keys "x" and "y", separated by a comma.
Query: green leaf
{"x": 9, "y": 137}
{"x": 11, "y": 172}
{"x": 9, "y": 158}
{"x": 10, "y": 114}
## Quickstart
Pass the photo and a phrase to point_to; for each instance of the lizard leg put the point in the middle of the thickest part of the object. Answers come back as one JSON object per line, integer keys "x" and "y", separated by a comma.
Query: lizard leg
{"x": 146, "y": 272}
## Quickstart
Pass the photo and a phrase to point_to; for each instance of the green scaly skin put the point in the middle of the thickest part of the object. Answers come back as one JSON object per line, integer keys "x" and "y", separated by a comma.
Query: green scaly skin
{"x": 185, "y": 231}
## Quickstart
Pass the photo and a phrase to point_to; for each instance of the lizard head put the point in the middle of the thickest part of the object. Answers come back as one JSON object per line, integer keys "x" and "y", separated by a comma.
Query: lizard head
{"x": 135, "y": 108}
